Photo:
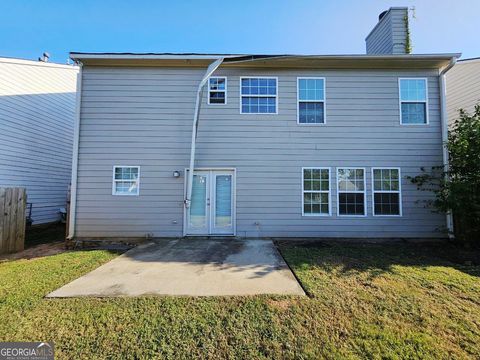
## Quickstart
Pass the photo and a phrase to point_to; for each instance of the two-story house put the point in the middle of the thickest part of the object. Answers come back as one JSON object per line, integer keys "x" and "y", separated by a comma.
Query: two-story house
{"x": 37, "y": 116}
{"x": 463, "y": 88}
{"x": 296, "y": 146}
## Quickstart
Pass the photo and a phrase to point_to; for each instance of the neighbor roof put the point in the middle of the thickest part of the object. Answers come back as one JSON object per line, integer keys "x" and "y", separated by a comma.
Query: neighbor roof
{"x": 18, "y": 61}
{"x": 264, "y": 60}
{"x": 470, "y": 60}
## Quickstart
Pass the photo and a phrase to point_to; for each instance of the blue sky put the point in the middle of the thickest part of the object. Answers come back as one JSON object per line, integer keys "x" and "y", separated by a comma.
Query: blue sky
{"x": 30, "y": 27}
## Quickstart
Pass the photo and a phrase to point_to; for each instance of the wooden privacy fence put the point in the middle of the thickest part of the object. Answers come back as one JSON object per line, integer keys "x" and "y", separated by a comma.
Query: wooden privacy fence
{"x": 13, "y": 201}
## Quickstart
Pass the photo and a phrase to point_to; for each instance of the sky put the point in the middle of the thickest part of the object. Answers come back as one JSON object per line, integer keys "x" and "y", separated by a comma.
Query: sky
{"x": 30, "y": 27}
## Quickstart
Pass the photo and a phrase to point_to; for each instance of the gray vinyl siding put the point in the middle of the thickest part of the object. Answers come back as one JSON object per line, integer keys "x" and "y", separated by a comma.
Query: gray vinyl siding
{"x": 389, "y": 35}
{"x": 37, "y": 107}
{"x": 463, "y": 88}
{"x": 143, "y": 117}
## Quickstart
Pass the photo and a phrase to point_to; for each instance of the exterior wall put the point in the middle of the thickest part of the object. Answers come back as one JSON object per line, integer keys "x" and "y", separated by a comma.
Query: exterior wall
{"x": 37, "y": 107}
{"x": 143, "y": 116}
{"x": 389, "y": 35}
{"x": 463, "y": 87}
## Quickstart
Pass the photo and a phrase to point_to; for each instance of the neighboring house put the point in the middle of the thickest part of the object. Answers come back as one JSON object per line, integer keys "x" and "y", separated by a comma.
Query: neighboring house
{"x": 37, "y": 112}
{"x": 287, "y": 145}
{"x": 463, "y": 87}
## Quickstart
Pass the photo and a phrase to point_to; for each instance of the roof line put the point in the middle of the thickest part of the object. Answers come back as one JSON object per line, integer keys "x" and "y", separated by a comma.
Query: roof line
{"x": 18, "y": 61}
{"x": 469, "y": 60}
{"x": 140, "y": 56}
{"x": 232, "y": 58}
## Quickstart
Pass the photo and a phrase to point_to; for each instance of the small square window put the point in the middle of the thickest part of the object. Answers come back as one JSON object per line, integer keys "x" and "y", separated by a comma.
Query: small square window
{"x": 217, "y": 90}
{"x": 126, "y": 180}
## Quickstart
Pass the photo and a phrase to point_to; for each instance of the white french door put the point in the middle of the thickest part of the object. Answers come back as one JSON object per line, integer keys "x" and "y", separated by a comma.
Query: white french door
{"x": 212, "y": 208}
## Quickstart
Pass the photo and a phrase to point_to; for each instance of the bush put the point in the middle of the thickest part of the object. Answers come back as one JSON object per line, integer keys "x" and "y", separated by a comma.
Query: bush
{"x": 458, "y": 188}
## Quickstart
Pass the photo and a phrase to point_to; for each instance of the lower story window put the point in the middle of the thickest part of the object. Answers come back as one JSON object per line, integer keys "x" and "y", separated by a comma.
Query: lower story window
{"x": 386, "y": 192}
{"x": 351, "y": 191}
{"x": 316, "y": 191}
{"x": 126, "y": 180}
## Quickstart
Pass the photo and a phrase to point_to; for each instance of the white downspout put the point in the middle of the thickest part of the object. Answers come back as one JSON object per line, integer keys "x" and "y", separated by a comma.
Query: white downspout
{"x": 76, "y": 138}
{"x": 444, "y": 123}
{"x": 211, "y": 68}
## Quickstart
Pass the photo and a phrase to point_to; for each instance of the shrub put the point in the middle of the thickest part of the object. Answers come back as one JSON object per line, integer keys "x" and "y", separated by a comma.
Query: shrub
{"x": 457, "y": 189}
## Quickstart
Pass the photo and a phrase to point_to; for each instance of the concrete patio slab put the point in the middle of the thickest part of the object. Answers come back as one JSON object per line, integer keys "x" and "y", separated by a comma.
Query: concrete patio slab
{"x": 194, "y": 267}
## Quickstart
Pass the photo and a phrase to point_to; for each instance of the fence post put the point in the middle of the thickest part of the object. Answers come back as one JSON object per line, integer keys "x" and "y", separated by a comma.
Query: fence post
{"x": 3, "y": 193}
{"x": 21, "y": 219}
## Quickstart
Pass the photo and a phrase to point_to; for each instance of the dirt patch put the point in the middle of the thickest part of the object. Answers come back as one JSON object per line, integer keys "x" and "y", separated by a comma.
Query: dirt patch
{"x": 279, "y": 304}
{"x": 45, "y": 233}
{"x": 311, "y": 243}
{"x": 41, "y": 250}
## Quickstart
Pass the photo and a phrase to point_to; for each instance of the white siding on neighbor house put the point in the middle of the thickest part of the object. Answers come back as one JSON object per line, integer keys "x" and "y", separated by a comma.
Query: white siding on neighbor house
{"x": 463, "y": 88}
{"x": 143, "y": 117}
{"x": 390, "y": 34}
{"x": 37, "y": 108}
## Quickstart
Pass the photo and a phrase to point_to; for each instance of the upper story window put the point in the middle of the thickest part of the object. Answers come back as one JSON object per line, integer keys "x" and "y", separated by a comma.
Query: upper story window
{"x": 126, "y": 180}
{"x": 351, "y": 191}
{"x": 217, "y": 90}
{"x": 311, "y": 100}
{"x": 413, "y": 101}
{"x": 258, "y": 95}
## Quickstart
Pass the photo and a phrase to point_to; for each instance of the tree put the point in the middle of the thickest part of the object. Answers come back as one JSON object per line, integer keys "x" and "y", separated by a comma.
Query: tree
{"x": 457, "y": 189}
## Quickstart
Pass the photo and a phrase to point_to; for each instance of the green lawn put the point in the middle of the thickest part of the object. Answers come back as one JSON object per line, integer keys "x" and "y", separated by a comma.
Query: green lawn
{"x": 366, "y": 301}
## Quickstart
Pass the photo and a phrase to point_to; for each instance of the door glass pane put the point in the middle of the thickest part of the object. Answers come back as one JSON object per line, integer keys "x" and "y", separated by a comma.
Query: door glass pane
{"x": 198, "y": 212}
{"x": 223, "y": 200}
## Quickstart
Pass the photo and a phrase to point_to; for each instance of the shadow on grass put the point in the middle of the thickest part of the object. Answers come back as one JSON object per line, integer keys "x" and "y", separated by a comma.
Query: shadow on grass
{"x": 43, "y": 241}
{"x": 377, "y": 259}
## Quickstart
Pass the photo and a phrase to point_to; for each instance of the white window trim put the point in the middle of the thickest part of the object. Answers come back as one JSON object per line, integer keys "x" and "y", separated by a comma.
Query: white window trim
{"x": 399, "y": 192}
{"x": 324, "y": 100}
{"x": 400, "y": 101}
{"x": 115, "y": 180}
{"x": 224, "y": 91}
{"x": 364, "y": 192}
{"x": 258, "y": 77}
{"x": 318, "y": 191}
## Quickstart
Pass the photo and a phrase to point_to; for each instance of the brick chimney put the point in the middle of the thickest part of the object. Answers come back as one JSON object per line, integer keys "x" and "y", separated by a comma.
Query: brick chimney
{"x": 390, "y": 35}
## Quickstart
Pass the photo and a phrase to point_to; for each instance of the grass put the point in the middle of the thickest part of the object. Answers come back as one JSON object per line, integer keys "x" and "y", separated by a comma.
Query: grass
{"x": 366, "y": 301}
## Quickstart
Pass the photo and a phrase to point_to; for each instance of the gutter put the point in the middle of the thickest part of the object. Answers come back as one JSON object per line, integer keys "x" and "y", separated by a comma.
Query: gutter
{"x": 232, "y": 58}
{"x": 444, "y": 124}
{"x": 76, "y": 140}
{"x": 147, "y": 56}
{"x": 211, "y": 68}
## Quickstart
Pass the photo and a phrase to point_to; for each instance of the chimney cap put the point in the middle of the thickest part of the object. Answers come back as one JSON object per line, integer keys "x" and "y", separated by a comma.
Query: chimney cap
{"x": 382, "y": 14}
